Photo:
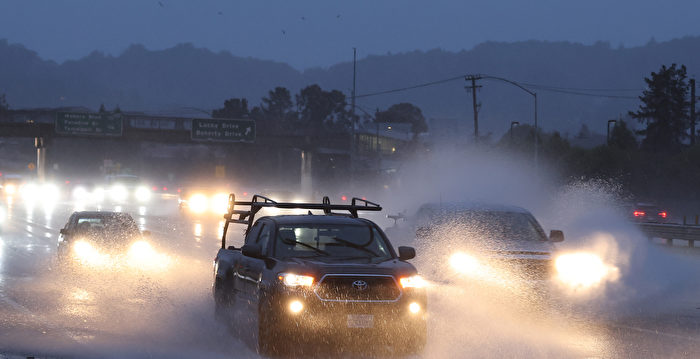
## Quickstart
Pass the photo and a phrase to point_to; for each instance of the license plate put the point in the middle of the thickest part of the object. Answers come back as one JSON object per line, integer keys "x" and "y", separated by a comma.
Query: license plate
{"x": 360, "y": 320}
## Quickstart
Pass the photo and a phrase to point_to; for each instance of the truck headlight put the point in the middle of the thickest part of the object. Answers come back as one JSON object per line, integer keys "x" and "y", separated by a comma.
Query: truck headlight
{"x": 295, "y": 280}
{"x": 414, "y": 308}
{"x": 580, "y": 269}
{"x": 415, "y": 281}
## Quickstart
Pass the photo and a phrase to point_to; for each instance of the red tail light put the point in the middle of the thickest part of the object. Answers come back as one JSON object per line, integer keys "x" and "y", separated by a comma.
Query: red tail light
{"x": 639, "y": 214}
{"x": 154, "y": 188}
{"x": 663, "y": 214}
{"x": 165, "y": 188}
{"x": 179, "y": 190}
{"x": 344, "y": 198}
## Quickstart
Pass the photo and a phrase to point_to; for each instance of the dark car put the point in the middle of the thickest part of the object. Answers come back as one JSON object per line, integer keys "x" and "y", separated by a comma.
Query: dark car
{"x": 498, "y": 245}
{"x": 489, "y": 240}
{"x": 319, "y": 277}
{"x": 648, "y": 213}
{"x": 102, "y": 239}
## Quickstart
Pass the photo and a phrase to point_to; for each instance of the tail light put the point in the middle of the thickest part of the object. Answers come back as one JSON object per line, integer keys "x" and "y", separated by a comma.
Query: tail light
{"x": 344, "y": 198}
{"x": 663, "y": 214}
{"x": 154, "y": 188}
{"x": 639, "y": 214}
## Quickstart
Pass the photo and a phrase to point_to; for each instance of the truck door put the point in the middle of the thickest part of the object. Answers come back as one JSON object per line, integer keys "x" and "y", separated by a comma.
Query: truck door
{"x": 254, "y": 267}
{"x": 241, "y": 267}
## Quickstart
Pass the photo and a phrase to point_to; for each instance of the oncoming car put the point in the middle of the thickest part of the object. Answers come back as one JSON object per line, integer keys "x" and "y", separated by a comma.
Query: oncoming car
{"x": 106, "y": 240}
{"x": 502, "y": 245}
{"x": 320, "y": 277}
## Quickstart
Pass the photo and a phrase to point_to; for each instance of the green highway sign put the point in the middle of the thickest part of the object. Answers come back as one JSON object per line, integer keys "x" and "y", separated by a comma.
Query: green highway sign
{"x": 223, "y": 130}
{"x": 89, "y": 124}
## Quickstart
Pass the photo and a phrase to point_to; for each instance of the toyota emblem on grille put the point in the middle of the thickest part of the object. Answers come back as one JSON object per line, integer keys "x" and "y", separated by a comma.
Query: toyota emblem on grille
{"x": 359, "y": 285}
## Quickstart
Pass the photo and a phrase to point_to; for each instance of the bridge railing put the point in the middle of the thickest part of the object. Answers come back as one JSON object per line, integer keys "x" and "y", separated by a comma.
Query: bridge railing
{"x": 671, "y": 232}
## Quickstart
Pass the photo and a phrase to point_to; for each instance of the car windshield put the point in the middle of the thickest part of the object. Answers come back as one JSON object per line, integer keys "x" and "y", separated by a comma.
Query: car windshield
{"x": 362, "y": 242}
{"x": 495, "y": 225}
{"x": 106, "y": 228}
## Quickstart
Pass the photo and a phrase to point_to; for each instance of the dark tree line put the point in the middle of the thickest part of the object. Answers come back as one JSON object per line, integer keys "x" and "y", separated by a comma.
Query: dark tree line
{"x": 313, "y": 111}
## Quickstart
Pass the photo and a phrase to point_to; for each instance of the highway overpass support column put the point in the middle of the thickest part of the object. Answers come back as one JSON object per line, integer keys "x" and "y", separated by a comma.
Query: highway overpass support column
{"x": 40, "y": 158}
{"x": 306, "y": 183}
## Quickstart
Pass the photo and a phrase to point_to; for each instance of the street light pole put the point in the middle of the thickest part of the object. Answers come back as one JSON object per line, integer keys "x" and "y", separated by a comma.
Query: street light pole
{"x": 607, "y": 138}
{"x": 534, "y": 95}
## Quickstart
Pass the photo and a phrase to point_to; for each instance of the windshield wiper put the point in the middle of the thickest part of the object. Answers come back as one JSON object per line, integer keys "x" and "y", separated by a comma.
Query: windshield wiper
{"x": 294, "y": 241}
{"x": 356, "y": 246}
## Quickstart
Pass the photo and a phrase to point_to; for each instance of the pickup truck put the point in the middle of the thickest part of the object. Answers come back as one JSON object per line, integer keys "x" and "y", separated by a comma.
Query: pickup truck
{"x": 318, "y": 276}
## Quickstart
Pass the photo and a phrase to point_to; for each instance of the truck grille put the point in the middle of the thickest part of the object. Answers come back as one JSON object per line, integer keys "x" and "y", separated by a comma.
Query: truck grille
{"x": 530, "y": 269}
{"x": 358, "y": 288}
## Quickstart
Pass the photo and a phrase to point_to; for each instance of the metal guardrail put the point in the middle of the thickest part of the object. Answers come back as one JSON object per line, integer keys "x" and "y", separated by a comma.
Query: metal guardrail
{"x": 669, "y": 232}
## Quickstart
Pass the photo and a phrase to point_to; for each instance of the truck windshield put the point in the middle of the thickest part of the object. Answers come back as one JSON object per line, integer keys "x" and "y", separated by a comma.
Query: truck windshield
{"x": 328, "y": 242}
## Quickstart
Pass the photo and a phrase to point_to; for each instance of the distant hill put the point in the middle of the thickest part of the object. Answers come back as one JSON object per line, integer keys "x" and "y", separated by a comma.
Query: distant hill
{"x": 186, "y": 76}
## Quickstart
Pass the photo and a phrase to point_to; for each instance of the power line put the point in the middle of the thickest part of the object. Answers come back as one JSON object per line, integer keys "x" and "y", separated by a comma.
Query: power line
{"x": 564, "y": 90}
{"x": 432, "y": 83}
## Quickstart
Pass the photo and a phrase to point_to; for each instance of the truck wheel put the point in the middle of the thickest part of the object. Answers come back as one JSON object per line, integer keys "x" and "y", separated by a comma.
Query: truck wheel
{"x": 223, "y": 297}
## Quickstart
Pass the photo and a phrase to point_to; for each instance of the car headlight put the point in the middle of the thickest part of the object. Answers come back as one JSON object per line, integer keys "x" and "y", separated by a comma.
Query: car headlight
{"x": 580, "y": 270}
{"x": 10, "y": 189}
{"x": 86, "y": 253}
{"x": 415, "y": 281}
{"x": 142, "y": 194}
{"x": 464, "y": 263}
{"x": 296, "y": 280}
{"x": 197, "y": 203}
{"x": 219, "y": 203}
{"x": 118, "y": 193}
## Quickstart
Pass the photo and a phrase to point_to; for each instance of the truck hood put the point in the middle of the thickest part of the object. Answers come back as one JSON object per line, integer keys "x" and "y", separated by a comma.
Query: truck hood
{"x": 320, "y": 268}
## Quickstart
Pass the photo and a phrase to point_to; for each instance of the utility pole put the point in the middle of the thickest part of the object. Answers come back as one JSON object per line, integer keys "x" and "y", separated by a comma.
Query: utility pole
{"x": 692, "y": 112}
{"x": 473, "y": 88}
{"x": 354, "y": 77}
{"x": 352, "y": 115}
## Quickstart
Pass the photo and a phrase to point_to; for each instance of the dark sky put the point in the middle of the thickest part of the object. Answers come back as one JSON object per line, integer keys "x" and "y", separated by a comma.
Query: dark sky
{"x": 323, "y": 32}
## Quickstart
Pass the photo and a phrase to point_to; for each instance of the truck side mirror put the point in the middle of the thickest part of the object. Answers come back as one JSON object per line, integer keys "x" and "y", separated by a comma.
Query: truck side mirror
{"x": 252, "y": 250}
{"x": 406, "y": 253}
{"x": 556, "y": 235}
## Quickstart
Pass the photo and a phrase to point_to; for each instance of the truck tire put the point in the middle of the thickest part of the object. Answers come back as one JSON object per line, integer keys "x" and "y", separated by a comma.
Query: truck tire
{"x": 223, "y": 297}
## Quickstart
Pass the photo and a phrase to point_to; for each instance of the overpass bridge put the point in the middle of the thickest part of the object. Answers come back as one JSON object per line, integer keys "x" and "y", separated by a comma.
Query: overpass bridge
{"x": 67, "y": 131}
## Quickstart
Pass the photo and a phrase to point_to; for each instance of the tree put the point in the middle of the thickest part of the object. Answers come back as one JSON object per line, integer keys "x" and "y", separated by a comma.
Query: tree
{"x": 102, "y": 108}
{"x": 233, "y": 108}
{"x": 404, "y": 113}
{"x": 3, "y": 104}
{"x": 276, "y": 111}
{"x": 622, "y": 137}
{"x": 322, "y": 110}
{"x": 664, "y": 109}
